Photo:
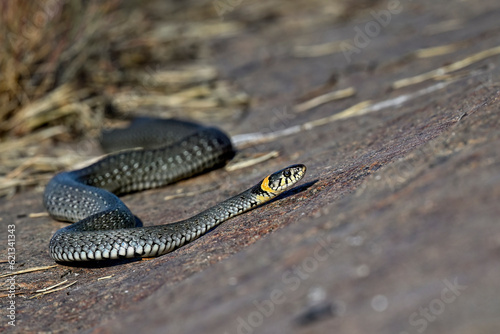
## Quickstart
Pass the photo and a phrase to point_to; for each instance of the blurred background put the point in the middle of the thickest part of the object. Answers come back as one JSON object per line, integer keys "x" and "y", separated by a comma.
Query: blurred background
{"x": 392, "y": 105}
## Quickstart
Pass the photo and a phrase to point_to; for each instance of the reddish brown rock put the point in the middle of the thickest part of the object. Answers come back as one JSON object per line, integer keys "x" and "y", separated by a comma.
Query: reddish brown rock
{"x": 394, "y": 230}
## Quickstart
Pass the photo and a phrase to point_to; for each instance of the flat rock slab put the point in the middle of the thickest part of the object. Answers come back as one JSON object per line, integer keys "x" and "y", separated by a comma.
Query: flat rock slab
{"x": 394, "y": 229}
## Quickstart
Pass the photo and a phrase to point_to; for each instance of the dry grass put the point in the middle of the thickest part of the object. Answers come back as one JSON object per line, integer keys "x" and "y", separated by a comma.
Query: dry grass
{"x": 45, "y": 45}
{"x": 64, "y": 65}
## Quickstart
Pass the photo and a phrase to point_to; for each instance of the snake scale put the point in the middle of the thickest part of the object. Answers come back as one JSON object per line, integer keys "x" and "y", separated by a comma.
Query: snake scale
{"x": 104, "y": 228}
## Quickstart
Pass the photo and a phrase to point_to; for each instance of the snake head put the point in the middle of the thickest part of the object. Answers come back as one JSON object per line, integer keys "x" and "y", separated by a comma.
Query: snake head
{"x": 283, "y": 179}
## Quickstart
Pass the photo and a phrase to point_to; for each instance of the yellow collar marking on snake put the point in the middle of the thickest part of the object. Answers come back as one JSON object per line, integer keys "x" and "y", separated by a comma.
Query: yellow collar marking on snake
{"x": 265, "y": 185}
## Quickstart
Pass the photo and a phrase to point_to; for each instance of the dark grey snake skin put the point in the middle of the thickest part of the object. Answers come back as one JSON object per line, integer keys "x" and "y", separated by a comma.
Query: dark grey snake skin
{"x": 106, "y": 229}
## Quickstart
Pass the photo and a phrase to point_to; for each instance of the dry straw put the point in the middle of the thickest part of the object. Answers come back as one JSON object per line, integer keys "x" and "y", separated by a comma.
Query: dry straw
{"x": 63, "y": 64}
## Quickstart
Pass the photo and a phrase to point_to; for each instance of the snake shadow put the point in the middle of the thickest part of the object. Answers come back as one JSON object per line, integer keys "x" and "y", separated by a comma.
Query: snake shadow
{"x": 291, "y": 192}
{"x": 119, "y": 262}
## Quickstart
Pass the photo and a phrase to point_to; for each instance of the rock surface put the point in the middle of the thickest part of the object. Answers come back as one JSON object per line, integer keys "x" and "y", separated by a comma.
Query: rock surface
{"x": 394, "y": 230}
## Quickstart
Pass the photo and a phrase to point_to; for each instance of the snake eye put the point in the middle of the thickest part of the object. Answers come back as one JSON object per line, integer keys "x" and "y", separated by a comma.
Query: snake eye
{"x": 287, "y": 173}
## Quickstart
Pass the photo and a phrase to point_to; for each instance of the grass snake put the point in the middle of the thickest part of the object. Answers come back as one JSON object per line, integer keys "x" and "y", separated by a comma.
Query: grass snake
{"x": 104, "y": 227}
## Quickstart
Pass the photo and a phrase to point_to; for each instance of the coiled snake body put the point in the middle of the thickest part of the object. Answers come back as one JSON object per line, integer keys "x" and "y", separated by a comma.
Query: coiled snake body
{"x": 105, "y": 228}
